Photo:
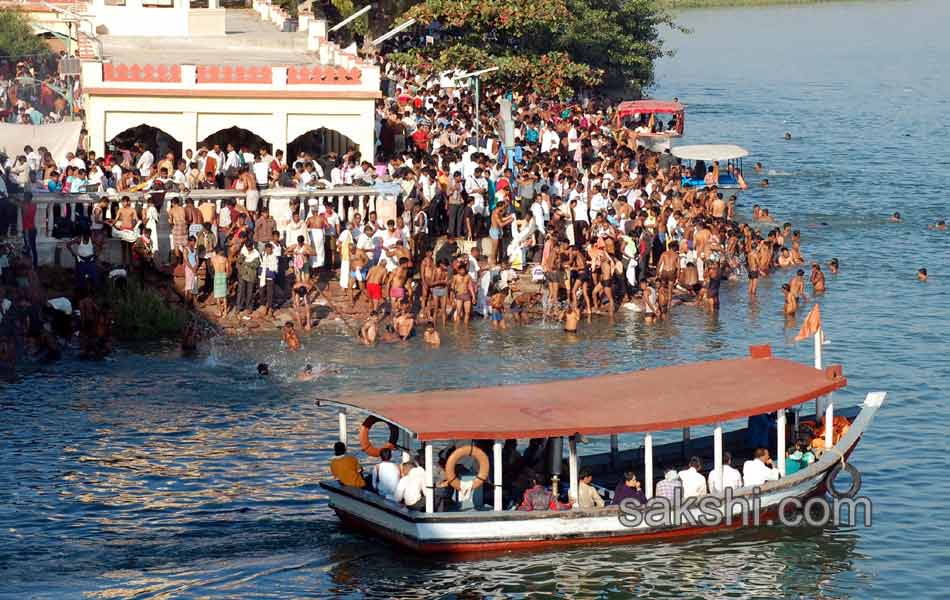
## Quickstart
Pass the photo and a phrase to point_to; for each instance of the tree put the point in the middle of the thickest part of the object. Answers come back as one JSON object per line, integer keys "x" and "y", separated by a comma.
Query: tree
{"x": 17, "y": 38}
{"x": 620, "y": 37}
{"x": 552, "y": 46}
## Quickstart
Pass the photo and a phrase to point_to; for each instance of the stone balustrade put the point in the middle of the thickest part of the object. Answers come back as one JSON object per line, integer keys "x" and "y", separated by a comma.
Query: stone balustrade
{"x": 347, "y": 201}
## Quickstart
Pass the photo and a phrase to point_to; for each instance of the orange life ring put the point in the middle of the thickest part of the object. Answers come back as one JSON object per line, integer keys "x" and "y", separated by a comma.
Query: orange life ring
{"x": 484, "y": 468}
{"x": 368, "y": 446}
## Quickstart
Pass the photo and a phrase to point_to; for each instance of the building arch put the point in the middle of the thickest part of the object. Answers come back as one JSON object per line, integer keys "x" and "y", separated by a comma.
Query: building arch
{"x": 320, "y": 142}
{"x": 156, "y": 140}
{"x": 237, "y": 136}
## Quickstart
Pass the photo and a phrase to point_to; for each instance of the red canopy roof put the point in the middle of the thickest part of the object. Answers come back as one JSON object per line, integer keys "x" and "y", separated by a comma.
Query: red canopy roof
{"x": 650, "y": 400}
{"x": 648, "y": 106}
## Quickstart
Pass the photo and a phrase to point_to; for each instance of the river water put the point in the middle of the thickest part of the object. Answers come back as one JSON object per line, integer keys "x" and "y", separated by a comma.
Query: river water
{"x": 155, "y": 476}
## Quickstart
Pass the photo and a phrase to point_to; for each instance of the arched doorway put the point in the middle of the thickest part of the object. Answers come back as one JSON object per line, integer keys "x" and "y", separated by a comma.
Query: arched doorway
{"x": 318, "y": 143}
{"x": 237, "y": 136}
{"x": 154, "y": 139}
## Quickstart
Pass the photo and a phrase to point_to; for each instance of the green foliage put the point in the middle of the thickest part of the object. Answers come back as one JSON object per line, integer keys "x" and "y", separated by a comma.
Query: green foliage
{"x": 143, "y": 314}
{"x": 621, "y": 37}
{"x": 17, "y": 38}
{"x": 553, "y": 47}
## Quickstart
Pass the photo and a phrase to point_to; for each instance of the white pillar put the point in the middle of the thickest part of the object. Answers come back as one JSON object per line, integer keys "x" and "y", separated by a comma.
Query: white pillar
{"x": 780, "y": 424}
{"x": 430, "y": 498}
{"x": 829, "y": 417}
{"x": 717, "y": 454}
{"x": 343, "y": 426}
{"x": 819, "y": 404}
{"x": 572, "y": 466}
{"x": 496, "y": 456}
{"x": 648, "y": 464}
{"x": 614, "y": 450}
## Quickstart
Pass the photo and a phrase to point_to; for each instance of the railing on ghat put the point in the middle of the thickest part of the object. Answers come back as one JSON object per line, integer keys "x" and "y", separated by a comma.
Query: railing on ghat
{"x": 346, "y": 200}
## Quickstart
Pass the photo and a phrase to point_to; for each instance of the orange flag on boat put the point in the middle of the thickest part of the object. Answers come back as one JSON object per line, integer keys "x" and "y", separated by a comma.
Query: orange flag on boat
{"x": 811, "y": 326}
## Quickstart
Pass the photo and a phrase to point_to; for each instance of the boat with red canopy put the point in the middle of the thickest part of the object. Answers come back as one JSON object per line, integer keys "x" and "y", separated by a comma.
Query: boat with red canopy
{"x": 656, "y": 122}
{"x": 474, "y": 424}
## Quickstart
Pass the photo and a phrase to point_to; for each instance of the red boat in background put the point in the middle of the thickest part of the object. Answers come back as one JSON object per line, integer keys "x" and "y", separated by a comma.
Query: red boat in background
{"x": 656, "y": 122}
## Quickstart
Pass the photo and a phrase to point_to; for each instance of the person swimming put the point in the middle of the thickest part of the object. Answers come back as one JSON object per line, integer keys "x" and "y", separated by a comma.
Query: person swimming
{"x": 308, "y": 374}
{"x": 263, "y": 370}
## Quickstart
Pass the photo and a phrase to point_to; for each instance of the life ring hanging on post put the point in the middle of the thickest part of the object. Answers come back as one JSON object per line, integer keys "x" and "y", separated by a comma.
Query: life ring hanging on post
{"x": 368, "y": 446}
{"x": 484, "y": 467}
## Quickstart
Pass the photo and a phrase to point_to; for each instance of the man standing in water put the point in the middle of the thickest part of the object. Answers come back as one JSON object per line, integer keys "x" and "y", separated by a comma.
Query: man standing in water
{"x": 289, "y": 335}
{"x": 791, "y": 301}
{"x": 797, "y": 285}
{"x": 666, "y": 272}
{"x": 817, "y": 279}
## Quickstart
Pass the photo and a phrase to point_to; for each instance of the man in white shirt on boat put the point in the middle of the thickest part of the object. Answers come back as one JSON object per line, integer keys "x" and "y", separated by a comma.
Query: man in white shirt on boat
{"x": 694, "y": 484}
{"x": 759, "y": 470}
{"x": 411, "y": 488}
{"x": 731, "y": 477}
{"x": 386, "y": 475}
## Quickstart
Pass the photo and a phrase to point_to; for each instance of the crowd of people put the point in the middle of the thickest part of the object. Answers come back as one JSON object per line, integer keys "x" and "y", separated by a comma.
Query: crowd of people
{"x": 575, "y": 218}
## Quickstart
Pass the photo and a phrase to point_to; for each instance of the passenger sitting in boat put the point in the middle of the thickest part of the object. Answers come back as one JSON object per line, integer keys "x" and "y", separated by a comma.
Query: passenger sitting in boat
{"x": 629, "y": 488}
{"x": 346, "y": 468}
{"x": 587, "y": 496}
{"x": 411, "y": 488}
{"x": 731, "y": 477}
{"x": 537, "y": 497}
{"x": 759, "y": 470}
{"x": 386, "y": 475}
{"x": 694, "y": 484}
{"x": 798, "y": 457}
{"x": 667, "y": 487}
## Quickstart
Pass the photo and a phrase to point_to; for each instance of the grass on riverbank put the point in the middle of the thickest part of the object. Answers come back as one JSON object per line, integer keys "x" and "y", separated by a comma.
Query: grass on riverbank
{"x": 143, "y": 314}
{"x": 733, "y": 3}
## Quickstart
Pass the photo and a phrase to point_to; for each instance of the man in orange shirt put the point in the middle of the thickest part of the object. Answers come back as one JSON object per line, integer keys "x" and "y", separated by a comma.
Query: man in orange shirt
{"x": 346, "y": 468}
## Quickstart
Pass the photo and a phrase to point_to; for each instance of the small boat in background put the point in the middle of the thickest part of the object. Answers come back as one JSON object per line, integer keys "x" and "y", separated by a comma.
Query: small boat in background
{"x": 646, "y": 119}
{"x": 703, "y": 159}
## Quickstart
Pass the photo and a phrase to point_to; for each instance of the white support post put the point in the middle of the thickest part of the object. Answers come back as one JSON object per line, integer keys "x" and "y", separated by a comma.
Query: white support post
{"x": 819, "y": 404}
{"x": 829, "y": 417}
{"x": 780, "y": 450}
{"x": 572, "y": 466}
{"x": 430, "y": 497}
{"x": 648, "y": 464}
{"x": 343, "y": 426}
{"x": 717, "y": 455}
{"x": 496, "y": 456}
{"x": 614, "y": 450}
